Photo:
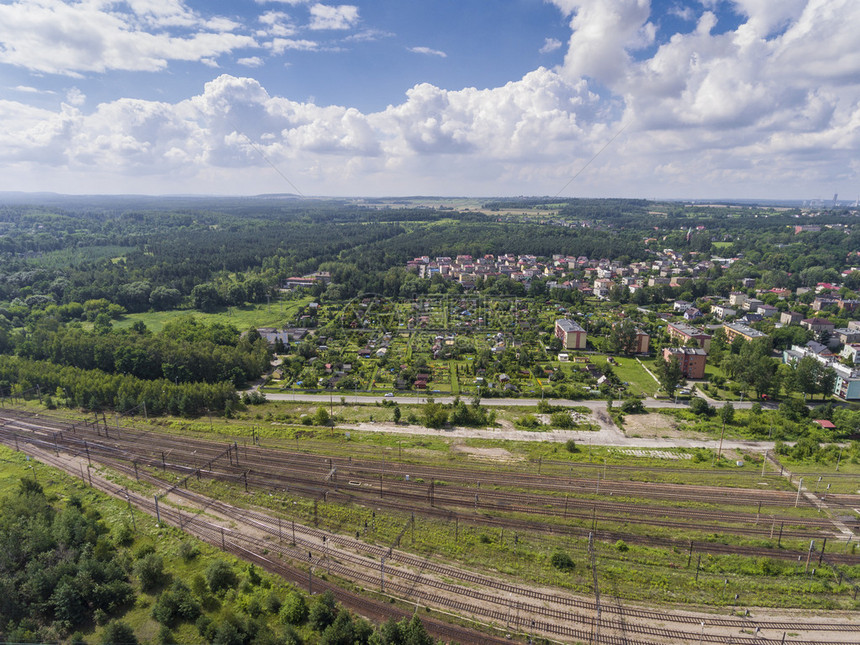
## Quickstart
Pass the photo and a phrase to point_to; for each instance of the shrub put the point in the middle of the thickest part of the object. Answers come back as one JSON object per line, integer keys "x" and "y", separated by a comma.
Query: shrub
{"x": 142, "y": 550}
{"x": 176, "y": 604}
{"x": 188, "y": 550}
{"x": 149, "y": 571}
{"x": 294, "y": 611}
{"x": 205, "y": 627}
{"x": 165, "y": 636}
{"x": 621, "y": 546}
{"x": 77, "y": 639}
{"x": 273, "y": 603}
{"x": 291, "y": 637}
{"x": 220, "y": 576}
{"x": 118, "y": 632}
{"x": 632, "y": 406}
{"x": 561, "y": 420}
{"x": 570, "y": 446}
{"x": 323, "y": 611}
{"x": 700, "y": 407}
{"x": 528, "y": 421}
{"x": 562, "y": 561}
{"x": 123, "y": 536}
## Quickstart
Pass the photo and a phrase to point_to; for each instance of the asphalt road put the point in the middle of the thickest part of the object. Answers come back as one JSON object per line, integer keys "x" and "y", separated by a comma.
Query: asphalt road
{"x": 592, "y": 405}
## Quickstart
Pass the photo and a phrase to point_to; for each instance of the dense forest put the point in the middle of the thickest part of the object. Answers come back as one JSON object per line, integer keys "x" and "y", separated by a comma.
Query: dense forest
{"x": 65, "y": 574}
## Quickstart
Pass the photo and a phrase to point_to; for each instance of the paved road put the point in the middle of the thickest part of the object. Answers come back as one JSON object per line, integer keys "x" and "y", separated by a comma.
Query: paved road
{"x": 591, "y": 405}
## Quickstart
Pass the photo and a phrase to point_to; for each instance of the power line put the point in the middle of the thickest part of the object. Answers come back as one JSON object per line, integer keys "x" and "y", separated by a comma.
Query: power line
{"x": 597, "y": 154}
{"x": 266, "y": 159}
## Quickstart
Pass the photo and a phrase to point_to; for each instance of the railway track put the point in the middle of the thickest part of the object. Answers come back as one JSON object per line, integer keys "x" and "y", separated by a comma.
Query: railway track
{"x": 537, "y": 618}
{"x": 306, "y": 475}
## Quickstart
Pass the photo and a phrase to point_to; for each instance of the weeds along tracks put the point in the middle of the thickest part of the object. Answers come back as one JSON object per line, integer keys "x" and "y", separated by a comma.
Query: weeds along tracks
{"x": 306, "y": 475}
{"x": 536, "y": 618}
{"x": 232, "y": 541}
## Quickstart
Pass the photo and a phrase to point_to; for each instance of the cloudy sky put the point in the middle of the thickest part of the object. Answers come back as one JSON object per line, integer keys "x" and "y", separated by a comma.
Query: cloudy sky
{"x": 667, "y": 98}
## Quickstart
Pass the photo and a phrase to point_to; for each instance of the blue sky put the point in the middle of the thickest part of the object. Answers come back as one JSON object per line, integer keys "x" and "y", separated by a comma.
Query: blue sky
{"x": 713, "y": 98}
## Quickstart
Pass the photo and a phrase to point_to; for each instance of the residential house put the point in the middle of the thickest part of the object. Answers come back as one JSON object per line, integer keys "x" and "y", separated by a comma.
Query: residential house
{"x": 851, "y": 352}
{"x": 685, "y": 333}
{"x": 847, "y": 335}
{"x": 692, "y": 313}
{"x": 571, "y": 334}
{"x": 790, "y": 318}
{"x": 681, "y": 306}
{"x": 691, "y": 360}
{"x": 817, "y": 325}
{"x": 735, "y": 330}
{"x": 723, "y": 311}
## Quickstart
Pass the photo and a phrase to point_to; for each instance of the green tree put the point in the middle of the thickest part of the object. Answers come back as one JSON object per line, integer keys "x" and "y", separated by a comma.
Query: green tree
{"x": 117, "y": 632}
{"x": 220, "y": 576}
{"x": 322, "y": 417}
{"x": 435, "y": 415}
{"x": 149, "y": 571}
{"x": 294, "y": 611}
{"x": 669, "y": 374}
{"x": 622, "y": 338}
{"x": 323, "y": 611}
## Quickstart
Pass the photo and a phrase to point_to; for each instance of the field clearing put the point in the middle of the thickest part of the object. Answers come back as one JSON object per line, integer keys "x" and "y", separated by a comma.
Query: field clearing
{"x": 631, "y": 371}
{"x": 275, "y": 314}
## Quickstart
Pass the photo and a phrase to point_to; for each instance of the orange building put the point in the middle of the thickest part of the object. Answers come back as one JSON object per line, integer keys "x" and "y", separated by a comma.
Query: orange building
{"x": 691, "y": 359}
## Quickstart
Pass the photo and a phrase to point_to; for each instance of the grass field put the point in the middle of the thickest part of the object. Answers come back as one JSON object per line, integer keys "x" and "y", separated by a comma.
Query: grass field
{"x": 630, "y": 371}
{"x": 276, "y": 314}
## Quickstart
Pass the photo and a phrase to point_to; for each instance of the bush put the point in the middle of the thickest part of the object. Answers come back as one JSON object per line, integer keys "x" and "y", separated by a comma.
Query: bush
{"x": 700, "y": 407}
{"x": 528, "y": 421}
{"x": 561, "y": 420}
{"x": 273, "y": 603}
{"x": 149, "y": 571}
{"x": 188, "y": 550}
{"x": 294, "y": 611}
{"x": 123, "y": 536}
{"x": 291, "y": 637}
{"x": 205, "y": 627}
{"x": 118, "y": 632}
{"x": 621, "y": 546}
{"x": 570, "y": 446}
{"x": 632, "y": 406}
{"x": 562, "y": 561}
{"x": 77, "y": 639}
{"x": 176, "y": 604}
{"x": 220, "y": 576}
{"x": 323, "y": 611}
{"x": 165, "y": 636}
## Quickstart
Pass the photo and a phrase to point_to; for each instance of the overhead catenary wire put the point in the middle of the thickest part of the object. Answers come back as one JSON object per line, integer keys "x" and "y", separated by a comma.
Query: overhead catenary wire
{"x": 268, "y": 161}
{"x": 588, "y": 163}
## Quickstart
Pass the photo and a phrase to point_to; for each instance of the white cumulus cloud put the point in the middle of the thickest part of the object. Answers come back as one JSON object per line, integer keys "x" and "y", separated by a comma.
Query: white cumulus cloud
{"x": 771, "y": 108}
{"x": 324, "y": 16}
{"x": 550, "y": 45}
{"x": 66, "y": 37}
{"x": 428, "y": 51}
